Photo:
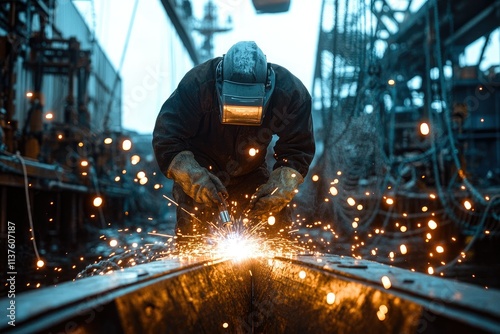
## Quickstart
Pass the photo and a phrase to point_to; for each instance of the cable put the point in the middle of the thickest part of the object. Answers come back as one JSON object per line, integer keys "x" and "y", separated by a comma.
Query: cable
{"x": 28, "y": 205}
{"x": 95, "y": 180}
{"x": 474, "y": 238}
{"x": 444, "y": 98}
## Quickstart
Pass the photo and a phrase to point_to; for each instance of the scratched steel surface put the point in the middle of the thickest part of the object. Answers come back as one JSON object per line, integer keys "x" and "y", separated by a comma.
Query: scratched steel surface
{"x": 437, "y": 290}
{"x": 304, "y": 294}
{"x": 426, "y": 304}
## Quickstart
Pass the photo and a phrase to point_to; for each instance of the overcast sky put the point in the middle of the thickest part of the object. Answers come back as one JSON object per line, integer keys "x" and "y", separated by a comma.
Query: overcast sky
{"x": 153, "y": 65}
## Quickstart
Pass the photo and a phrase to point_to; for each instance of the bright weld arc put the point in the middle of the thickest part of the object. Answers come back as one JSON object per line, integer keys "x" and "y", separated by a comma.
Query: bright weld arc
{"x": 237, "y": 243}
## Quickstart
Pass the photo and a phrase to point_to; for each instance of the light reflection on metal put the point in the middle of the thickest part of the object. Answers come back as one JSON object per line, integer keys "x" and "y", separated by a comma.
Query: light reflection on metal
{"x": 302, "y": 274}
{"x": 330, "y": 298}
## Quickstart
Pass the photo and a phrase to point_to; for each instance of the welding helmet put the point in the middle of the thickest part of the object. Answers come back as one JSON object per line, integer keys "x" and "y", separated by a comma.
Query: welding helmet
{"x": 245, "y": 83}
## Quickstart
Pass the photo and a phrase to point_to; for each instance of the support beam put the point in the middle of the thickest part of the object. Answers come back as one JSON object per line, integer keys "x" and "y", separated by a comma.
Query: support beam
{"x": 482, "y": 24}
{"x": 301, "y": 295}
{"x": 181, "y": 30}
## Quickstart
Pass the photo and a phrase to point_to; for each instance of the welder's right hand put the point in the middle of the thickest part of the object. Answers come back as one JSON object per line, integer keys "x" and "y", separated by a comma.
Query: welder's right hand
{"x": 196, "y": 181}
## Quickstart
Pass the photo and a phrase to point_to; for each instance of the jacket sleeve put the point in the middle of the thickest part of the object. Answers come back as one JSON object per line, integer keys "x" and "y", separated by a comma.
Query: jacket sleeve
{"x": 177, "y": 121}
{"x": 295, "y": 147}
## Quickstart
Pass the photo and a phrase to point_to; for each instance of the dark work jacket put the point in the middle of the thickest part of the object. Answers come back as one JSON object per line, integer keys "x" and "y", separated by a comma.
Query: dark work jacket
{"x": 190, "y": 120}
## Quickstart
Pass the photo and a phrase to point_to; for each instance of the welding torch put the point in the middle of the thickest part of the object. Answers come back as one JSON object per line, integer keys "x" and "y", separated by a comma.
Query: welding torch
{"x": 224, "y": 213}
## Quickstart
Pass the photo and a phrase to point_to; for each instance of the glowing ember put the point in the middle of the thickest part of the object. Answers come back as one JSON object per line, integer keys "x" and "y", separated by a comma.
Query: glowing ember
{"x": 432, "y": 224}
{"x": 403, "y": 249}
{"x": 382, "y": 311}
{"x": 252, "y": 152}
{"x": 439, "y": 249}
{"x": 302, "y": 274}
{"x": 386, "y": 282}
{"x": 333, "y": 191}
{"x": 424, "y": 129}
{"x": 330, "y": 298}
{"x": 113, "y": 243}
{"x": 40, "y": 263}
{"x": 135, "y": 159}
{"x": 271, "y": 220}
{"x": 97, "y": 202}
{"x": 467, "y": 205}
{"x": 430, "y": 270}
{"x": 126, "y": 145}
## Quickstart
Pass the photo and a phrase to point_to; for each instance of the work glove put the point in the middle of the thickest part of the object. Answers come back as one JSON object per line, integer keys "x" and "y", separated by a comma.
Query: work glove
{"x": 196, "y": 181}
{"x": 271, "y": 197}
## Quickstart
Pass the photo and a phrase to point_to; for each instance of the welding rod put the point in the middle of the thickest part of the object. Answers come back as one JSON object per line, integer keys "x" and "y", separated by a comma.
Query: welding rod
{"x": 223, "y": 212}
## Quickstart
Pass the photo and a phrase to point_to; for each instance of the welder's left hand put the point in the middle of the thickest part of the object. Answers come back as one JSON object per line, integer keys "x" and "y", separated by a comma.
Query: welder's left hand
{"x": 271, "y": 197}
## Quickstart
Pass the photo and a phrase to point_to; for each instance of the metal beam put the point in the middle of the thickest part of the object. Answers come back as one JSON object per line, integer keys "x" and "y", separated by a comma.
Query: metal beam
{"x": 482, "y": 24}
{"x": 304, "y": 294}
{"x": 181, "y": 30}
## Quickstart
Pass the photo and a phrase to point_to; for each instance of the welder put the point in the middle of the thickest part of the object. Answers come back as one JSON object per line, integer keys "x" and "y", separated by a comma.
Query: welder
{"x": 213, "y": 133}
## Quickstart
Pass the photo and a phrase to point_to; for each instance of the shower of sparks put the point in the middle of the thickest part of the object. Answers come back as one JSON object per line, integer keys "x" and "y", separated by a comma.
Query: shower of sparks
{"x": 406, "y": 234}
{"x": 237, "y": 241}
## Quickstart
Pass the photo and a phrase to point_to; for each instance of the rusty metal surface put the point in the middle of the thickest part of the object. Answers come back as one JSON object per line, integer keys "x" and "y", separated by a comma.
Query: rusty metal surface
{"x": 425, "y": 304}
{"x": 415, "y": 285}
{"x": 295, "y": 299}
{"x": 89, "y": 304}
{"x": 304, "y": 294}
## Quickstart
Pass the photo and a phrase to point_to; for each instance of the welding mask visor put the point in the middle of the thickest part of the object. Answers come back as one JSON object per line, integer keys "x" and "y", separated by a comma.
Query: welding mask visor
{"x": 242, "y": 103}
{"x": 245, "y": 83}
